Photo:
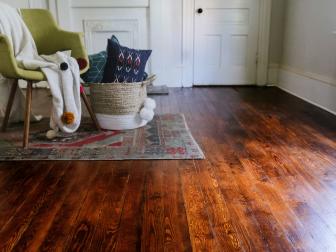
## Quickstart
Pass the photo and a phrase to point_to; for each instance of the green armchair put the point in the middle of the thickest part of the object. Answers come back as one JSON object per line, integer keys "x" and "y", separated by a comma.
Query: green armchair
{"x": 49, "y": 39}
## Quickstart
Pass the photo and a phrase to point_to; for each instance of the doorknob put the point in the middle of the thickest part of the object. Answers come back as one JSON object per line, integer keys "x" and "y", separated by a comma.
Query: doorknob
{"x": 200, "y": 11}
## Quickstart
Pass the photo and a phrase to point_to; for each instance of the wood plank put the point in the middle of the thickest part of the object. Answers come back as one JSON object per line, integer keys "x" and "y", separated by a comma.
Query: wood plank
{"x": 268, "y": 184}
{"x": 38, "y": 228}
{"x": 63, "y": 221}
{"x": 201, "y": 234}
{"x": 129, "y": 234}
{"x": 108, "y": 225}
{"x": 83, "y": 227}
{"x": 12, "y": 231}
{"x": 164, "y": 216}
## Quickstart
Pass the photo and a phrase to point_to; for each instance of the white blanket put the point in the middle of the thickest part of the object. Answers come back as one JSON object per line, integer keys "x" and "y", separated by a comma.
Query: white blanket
{"x": 64, "y": 85}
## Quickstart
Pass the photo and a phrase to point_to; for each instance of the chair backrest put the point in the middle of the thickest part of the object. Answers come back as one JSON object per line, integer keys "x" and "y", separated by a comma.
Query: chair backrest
{"x": 50, "y": 38}
{"x": 41, "y": 25}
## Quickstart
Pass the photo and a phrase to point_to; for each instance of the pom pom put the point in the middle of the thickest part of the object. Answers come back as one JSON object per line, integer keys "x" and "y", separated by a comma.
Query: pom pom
{"x": 146, "y": 114}
{"x": 82, "y": 63}
{"x": 68, "y": 118}
{"x": 51, "y": 134}
{"x": 150, "y": 103}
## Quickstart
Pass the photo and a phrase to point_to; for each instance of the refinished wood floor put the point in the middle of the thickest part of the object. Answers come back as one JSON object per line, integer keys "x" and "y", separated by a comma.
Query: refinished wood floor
{"x": 268, "y": 184}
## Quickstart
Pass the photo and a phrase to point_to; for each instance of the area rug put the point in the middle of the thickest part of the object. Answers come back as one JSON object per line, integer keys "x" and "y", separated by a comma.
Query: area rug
{"x": 166, "y": 137}
{"x": 157, "y": 90}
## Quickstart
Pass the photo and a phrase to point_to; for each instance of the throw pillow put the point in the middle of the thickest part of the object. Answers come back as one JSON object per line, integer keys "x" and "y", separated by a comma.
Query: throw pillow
{"x": 124, "y": 64}
{"x": 145, "y": 76}
{"x": 97, "y": 65}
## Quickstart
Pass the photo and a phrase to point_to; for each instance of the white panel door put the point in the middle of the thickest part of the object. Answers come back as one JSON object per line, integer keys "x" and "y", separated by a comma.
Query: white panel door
{"x": 226, "y": 42}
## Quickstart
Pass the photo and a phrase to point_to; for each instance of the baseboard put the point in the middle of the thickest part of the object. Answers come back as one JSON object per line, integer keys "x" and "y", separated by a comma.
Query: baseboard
{"x": 313, "y": 90}
{"x": 273, "y": 74}
{"x": 310, "y": 75}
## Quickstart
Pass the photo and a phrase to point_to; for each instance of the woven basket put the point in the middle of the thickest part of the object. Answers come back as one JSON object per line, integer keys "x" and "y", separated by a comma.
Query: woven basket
{"x": 118, "y": 99}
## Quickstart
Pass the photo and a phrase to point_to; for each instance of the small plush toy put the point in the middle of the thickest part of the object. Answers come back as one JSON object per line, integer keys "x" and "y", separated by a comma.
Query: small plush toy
{"x": 68, "y": 118}
{"x": 51, "y": 134}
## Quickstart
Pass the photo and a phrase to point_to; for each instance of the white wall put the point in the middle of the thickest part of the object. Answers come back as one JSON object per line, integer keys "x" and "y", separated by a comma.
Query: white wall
{"x": 17, "y": 3}
{"x": 276, "y": 40}
{"x": 308, "y": 67}
{"x": 277, "y": 29}
{"x": 27, "y": 3}
{"x": 171, "y": 41}
{"x": 137, "y": 25}
{"x": 169, "y": 57}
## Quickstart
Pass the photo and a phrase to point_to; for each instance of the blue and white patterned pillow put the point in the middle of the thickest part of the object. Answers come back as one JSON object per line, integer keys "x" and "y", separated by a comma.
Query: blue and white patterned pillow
{"x": 97, "y": 66}
{"x": 124, "y": 64}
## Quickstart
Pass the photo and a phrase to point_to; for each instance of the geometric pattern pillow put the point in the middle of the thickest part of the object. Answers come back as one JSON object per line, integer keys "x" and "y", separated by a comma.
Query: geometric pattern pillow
{"x": 124, "y": 64}
{"x": 145, "y": 76}
{"x": 96, "y": 71}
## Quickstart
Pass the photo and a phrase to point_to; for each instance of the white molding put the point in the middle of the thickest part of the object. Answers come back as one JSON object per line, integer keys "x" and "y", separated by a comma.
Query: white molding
{"x": 314, "y": 76}
{"x": 264, "y": 41}
{"x": 35, "y": 4}
{"x": 188, "y": 43}
{"x": 265, "y": 10}
{"x": 52, "y": 6}
{"x": 314, "y": 91}
{"x": 63, "y": 10}
{"x": 274, "y": 68}
{"x": 307, "y": 100}
{"x": 110, "y": 25}
{"x": 155, "y": 33}
{"x": 273, "y": 74}
{"x": 110, "y": 3}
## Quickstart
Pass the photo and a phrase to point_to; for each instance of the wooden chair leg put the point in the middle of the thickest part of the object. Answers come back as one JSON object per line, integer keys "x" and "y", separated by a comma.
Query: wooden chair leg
{"x": 9, "y": 105}
{"x": 89, "y": 108}
{"x": 27, "y": 114}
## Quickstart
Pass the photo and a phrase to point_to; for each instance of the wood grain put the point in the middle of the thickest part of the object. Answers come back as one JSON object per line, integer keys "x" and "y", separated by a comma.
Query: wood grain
{"x": 268, "y": 184}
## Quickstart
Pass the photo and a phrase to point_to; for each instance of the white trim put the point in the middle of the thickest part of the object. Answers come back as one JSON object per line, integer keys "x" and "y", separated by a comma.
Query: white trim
{"x": 307, "y": 100}
{"x": 52, "y": 6}
{"x": 92, "y": 26}
{"x": 265, "y": 10}
{"x": 273, "y": 74}
{"x": 274, "y": 68}
{"x": 35, "y": 4}
{"x": 314, "y": 76}
{"x": 314, "y": 91}
{"x": 264, "y": 41}
{"x": 63, "y": 12}
{"x": 155, "y": 32}
{"x": 188, "y": 43}
{"x": 110, "y": 3}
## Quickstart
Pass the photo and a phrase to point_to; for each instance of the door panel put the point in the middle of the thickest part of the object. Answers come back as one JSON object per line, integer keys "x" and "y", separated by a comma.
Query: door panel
{"x": 226, "y": 39}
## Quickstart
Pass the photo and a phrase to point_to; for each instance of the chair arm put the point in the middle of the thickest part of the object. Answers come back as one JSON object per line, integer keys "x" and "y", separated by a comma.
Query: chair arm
{"x": 73, "y": 41}
{"x": 8, "y": 64}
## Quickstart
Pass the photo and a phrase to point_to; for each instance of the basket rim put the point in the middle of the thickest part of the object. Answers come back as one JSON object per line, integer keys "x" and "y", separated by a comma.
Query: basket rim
{"x": 146, "y": 82}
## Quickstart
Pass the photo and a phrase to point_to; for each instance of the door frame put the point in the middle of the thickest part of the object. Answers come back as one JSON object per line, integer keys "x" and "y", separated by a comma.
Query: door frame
{"x": 265, "y": 9}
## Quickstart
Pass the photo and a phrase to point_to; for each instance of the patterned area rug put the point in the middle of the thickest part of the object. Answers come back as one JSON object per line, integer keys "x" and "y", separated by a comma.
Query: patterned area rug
{"x": 166, "y": 137}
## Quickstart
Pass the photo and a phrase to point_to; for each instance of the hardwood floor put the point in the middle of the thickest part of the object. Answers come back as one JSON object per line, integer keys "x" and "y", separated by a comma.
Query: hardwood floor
{"x": 268, "y": 184}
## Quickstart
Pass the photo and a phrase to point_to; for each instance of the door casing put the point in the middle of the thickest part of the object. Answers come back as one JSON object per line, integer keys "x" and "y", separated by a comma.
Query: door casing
{"x": 265, "y": 8}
